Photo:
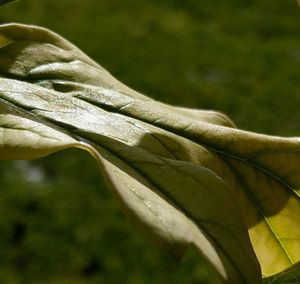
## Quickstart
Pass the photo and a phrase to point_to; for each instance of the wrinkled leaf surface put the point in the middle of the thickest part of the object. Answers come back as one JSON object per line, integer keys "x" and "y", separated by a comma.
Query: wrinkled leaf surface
{"x": 184, "y": 176}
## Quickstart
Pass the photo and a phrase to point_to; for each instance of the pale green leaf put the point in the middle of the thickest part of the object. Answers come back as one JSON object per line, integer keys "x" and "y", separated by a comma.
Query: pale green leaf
{"x": 185, "y": 177}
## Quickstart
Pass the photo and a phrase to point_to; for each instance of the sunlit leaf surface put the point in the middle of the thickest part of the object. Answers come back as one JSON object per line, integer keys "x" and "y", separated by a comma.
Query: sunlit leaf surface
{"x": 185, "y": 177}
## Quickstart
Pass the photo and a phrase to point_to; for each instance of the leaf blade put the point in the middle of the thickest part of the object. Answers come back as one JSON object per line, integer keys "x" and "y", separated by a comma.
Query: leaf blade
{"x": 98, "y": 110}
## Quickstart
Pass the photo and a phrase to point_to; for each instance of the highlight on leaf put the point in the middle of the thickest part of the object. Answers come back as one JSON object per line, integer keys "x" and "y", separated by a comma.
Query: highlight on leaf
{"x": 186, "y": 177}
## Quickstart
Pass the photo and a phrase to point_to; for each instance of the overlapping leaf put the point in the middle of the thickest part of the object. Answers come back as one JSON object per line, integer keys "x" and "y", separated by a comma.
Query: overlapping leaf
{"x": 186, "y": 177}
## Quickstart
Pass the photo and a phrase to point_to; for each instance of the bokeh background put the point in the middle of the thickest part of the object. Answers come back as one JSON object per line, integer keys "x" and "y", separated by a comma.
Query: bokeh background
{"x": 58, "y": 222}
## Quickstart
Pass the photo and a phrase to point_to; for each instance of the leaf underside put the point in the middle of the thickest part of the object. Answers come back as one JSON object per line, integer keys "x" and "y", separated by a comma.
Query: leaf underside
{"x": 184, "y": 176}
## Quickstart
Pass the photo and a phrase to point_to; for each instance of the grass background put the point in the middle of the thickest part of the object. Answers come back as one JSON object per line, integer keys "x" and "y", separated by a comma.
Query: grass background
{"x": 58, "y": 222}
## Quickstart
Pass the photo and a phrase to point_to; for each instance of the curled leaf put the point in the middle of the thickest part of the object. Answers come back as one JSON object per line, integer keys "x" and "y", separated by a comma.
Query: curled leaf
{"x": 185, "y": 177}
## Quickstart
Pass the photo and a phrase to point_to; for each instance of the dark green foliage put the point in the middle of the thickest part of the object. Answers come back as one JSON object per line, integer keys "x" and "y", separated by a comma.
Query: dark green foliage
{"x": 58, "y": 221}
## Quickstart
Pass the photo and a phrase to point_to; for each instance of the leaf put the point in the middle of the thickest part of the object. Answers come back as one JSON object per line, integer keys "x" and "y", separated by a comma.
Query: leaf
{"x": 185, "y": 177}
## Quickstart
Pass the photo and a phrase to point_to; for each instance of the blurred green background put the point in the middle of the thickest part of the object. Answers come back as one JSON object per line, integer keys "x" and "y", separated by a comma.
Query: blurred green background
{"x": 58, "y": 222}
